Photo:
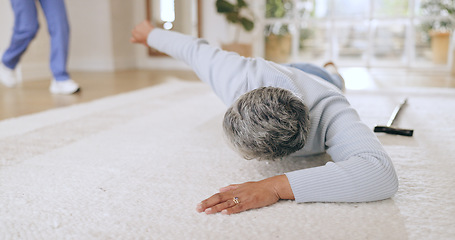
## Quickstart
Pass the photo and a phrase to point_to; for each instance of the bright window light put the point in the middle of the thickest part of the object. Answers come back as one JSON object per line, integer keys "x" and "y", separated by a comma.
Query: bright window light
{"x": 167, "y": 10}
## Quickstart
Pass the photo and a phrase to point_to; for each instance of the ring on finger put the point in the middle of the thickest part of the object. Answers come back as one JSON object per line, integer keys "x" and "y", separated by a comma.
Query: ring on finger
{"x": 236, "y": 200}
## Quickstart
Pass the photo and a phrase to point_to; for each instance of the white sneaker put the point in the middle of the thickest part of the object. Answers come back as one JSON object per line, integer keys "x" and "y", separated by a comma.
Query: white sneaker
{"x": 7, "y": 76}
{"x": 64, "y": 87}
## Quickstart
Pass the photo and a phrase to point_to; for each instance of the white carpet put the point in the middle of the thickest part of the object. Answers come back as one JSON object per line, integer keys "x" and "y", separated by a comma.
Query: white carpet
{"x": 134, "y": 166}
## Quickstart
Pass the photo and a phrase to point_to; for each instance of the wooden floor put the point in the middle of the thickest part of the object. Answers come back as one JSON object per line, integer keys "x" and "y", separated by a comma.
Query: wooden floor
{"x": 33, "y": 96}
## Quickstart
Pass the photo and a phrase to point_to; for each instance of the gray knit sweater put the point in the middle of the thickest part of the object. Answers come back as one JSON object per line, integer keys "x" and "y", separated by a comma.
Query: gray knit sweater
{"x": 361, "y": 169}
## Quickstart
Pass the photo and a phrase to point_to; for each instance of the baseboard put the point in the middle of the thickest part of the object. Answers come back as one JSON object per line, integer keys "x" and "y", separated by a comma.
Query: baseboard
{"x": 124, "y": 63}
{"x": 102, "y": 65}
{"x": 166, "y": 63}
{"x": 33, "y": 71}
{"x": 85, "y": 64}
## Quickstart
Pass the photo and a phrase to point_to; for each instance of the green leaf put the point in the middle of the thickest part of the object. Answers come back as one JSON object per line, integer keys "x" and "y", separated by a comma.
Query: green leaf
{"x": 223, "y": 6}
{"x": 232, "y": 13}
{"x": 247, "y": 24}
{"x": 233, "y": 17}
{"x": 241, "y": 4}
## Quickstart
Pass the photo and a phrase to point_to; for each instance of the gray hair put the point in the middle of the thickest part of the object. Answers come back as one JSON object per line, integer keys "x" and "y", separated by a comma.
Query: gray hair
{"x": 267, "y": 123}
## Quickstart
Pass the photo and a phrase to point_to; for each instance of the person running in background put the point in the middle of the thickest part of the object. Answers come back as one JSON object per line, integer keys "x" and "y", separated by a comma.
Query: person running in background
{"x": 25, "y": 28}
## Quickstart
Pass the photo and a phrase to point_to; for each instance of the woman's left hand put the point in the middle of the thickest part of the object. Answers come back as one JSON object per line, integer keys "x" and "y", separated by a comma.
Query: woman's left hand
{"x": 237, "y": 198}
{"x": 141, "y": 31}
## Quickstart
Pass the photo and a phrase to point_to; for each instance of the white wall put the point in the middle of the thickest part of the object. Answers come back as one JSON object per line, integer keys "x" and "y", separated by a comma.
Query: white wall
{"x": 122, "y": 20}
{"x": 100, "y": 34}
{"x": 91, "y": 42}
{"x": 6, "y": 23}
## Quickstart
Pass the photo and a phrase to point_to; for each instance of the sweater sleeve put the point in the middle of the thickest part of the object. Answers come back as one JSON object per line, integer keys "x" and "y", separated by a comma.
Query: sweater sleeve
{"x": 361, "y": 170}
{"x": 225, "y": 72}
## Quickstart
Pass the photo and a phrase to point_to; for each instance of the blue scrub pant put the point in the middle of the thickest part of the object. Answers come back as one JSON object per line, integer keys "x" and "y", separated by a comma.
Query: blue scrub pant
{"x": 26, "y": 26}
{"x": 320, "y": 72}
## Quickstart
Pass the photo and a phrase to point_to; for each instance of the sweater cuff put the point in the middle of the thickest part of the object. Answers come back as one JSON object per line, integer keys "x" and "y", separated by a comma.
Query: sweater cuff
{"x": 314, "y": 184}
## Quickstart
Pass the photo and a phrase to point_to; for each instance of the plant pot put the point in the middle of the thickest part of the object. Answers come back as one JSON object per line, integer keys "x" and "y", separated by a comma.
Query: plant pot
{"x": 440, "y": 46}
{"x": 453, "y": 63}
{"x": 240, "y": 48}
{"x": 278, "y": 47}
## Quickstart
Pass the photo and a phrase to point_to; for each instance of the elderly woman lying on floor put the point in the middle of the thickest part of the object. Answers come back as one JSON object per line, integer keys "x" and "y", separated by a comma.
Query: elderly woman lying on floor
{"x": 281, "y": 110}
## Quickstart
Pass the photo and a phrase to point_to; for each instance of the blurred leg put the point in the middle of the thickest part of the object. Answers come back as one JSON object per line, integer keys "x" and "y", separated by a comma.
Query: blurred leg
{"x": 320, "y": 72}
{"x": 25, "y": 28}
{"x": 57, "y": 22}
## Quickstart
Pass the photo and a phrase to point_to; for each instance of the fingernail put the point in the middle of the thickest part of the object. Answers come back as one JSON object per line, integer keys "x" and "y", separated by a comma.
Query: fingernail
{"x": 208, "y": 210}
{"x": 225, "y": 212}
{"x": 199, "y": 207}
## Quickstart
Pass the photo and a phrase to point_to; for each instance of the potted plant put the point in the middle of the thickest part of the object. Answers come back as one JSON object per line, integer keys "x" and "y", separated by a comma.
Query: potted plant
{"x": 440, "y": 28}
{"x": 240, "y": 15}
{"x": 278, "y": 43}
{"x": 278, "y": 39}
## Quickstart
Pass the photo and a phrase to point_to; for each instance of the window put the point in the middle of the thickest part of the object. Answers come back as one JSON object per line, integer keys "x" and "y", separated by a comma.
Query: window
{"x": 376, "y": 33}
